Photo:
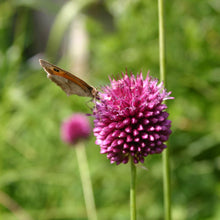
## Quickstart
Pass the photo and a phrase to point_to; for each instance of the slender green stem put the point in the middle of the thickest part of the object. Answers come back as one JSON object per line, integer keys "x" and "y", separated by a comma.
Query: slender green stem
{"x": 166, "y": 167}
{"x": 162, "y": 40}
{"x": 166, "y": 184}
{"x": 133, "y": 192}
{"x": 86, "y": 182}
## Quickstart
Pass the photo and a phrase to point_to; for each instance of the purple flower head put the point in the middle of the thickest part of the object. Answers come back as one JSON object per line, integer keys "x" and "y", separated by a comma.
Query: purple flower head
{"x": 75, "y": 128}
{"x": 130, "y": 119}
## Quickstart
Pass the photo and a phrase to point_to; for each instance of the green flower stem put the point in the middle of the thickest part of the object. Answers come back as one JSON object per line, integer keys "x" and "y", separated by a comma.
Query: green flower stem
{"x": 162, "y": 40}
{"x": 166, "y": 167}
{"x": 166, "y": 184}
{"x": 133, "y": 192}
{"x": 86, "y": 182}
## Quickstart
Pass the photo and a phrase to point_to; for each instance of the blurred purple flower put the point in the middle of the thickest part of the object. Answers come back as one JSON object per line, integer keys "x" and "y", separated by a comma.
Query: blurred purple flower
{"x": 75, "y": 128}
{"x": 130, "y": 120}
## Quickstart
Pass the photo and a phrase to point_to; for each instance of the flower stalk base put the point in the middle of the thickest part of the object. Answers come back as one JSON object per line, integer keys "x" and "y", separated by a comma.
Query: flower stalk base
{"x": 86, "y": 182}
{"x": 133, "y": 192}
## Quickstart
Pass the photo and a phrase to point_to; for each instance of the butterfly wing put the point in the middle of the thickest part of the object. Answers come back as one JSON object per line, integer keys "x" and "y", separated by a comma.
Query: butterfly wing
{"x": 68, "y": 82}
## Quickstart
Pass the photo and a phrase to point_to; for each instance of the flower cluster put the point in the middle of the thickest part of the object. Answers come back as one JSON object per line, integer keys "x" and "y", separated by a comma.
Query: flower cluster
{"x": 130, "y": 118}
{"x": 75, "y": 128}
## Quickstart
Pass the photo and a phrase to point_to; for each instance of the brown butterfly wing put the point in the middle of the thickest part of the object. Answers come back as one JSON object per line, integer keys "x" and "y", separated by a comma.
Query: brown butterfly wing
{"x": 68, "y": 82}
{"x": 68, "y": 86}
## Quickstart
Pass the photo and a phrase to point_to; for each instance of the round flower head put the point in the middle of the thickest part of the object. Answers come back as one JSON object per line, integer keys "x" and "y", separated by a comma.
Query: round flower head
{"x": 75, "y": 128}
{"x": 130, "y": 120}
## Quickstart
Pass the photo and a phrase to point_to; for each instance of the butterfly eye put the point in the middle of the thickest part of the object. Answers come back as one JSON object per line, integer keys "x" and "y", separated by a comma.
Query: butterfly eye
{"x": 56, "y": 70}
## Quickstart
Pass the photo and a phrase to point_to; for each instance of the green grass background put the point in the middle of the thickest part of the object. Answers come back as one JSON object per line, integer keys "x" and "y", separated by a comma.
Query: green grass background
{"x": 40, "y": 174}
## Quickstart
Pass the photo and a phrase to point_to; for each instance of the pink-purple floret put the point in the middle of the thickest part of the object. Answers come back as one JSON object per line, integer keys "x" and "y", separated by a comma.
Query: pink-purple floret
{"x": 130, "y": 119}
{"x": 75, "y": 128}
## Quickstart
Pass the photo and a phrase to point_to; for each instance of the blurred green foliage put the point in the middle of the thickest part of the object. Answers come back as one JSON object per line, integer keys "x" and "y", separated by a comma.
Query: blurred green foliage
{"x": 40, "y": 174}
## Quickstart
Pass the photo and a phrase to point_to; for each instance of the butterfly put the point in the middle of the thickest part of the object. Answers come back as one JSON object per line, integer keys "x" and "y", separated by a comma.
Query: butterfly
{"x": 69, "y": 83}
